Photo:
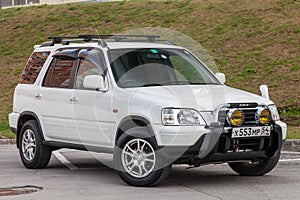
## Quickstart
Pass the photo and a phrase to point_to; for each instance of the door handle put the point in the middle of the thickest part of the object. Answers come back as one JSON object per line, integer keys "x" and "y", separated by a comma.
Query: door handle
{"x": 74, "y": 99}
{"x": 38, "y": 96}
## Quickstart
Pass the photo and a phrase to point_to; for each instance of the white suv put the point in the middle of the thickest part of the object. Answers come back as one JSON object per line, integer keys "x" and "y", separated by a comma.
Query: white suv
{"x": 148, "y": 102}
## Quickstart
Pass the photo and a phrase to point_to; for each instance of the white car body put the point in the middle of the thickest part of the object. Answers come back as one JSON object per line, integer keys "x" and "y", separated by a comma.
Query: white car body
{"x": 131, "y": 101}
{"x": 70, "y": 117}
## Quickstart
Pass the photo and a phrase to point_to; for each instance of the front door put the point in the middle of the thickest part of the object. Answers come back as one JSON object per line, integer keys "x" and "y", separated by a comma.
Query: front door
{"x": 92, "y": 112}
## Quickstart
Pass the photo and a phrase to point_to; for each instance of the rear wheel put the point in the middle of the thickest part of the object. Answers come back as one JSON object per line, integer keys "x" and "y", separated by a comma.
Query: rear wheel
{"x": 258, "y": 168}
{"x": 137, "y": 159}
{"x": 33, "y": 153}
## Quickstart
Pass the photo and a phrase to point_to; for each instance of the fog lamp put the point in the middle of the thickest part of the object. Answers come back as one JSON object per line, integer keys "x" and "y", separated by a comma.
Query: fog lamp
{"x": 235, "y": 117}
{"x": 262, "y": 116}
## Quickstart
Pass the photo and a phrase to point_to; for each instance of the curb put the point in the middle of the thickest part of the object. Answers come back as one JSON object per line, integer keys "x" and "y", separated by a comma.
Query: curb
{"x": 7, "y": 141}
{"x": 288, "y": 145}
{"x": 291, "y": 145}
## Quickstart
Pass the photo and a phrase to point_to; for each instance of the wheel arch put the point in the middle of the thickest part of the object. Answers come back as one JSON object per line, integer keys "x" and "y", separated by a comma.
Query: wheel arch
{"x": 131, "y": 122}
{"x": 24, "y": 117}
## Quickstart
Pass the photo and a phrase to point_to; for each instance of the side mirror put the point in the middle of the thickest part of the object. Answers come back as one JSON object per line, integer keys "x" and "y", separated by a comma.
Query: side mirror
{"x": 94, "y": 82}
{"x": 221, "y": 77}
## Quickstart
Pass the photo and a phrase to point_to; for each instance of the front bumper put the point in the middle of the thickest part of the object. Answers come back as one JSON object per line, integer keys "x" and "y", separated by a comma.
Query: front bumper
{"x": 214, "y": 143}
{"x": 217, "y": 146}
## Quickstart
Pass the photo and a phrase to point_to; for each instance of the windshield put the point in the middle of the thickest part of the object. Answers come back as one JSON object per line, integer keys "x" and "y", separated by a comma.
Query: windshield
{"x": 158, "y": 67}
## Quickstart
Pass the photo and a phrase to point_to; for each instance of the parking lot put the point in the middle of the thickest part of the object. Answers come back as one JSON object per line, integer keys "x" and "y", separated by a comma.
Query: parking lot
{"x": 80, "y": 175}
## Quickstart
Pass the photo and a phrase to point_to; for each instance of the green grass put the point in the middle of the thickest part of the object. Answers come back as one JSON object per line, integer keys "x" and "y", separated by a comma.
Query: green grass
{"x": 253, "y": 43}
{"x": 293, "y": 132}
{"x": 5, "y": 131}
{"x": 290, "y": 112}
{"x": 292, "y": 116}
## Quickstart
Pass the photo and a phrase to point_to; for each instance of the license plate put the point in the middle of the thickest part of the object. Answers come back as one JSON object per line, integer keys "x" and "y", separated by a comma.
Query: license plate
{"x": 242, "y": 132}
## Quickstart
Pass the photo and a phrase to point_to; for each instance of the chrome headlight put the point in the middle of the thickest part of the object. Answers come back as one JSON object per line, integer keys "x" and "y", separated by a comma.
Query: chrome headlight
{"x": 262, "y": 116}
{"x": 274, "y": 112}
{"x": 181, "y": 116}
{"x": 235, "y": 117}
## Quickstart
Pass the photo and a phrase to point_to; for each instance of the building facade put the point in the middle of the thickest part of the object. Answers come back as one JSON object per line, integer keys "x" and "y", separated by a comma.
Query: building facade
{"x": 11, "y": 3}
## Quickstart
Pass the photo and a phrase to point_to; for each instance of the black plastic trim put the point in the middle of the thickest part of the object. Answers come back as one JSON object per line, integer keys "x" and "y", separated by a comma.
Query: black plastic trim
{"x": 180, "y": 153}
{"x": 59, "y": 145}
{"x": 14, "y": 130}
{"x": 226, "y": 157}
{"x": 37, "y": 120}
{"x": 128, "y": 122}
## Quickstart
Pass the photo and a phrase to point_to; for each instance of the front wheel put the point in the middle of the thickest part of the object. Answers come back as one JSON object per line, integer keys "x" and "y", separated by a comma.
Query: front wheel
{"x": 137, "y": 159}
{"x": 258, "y": 168}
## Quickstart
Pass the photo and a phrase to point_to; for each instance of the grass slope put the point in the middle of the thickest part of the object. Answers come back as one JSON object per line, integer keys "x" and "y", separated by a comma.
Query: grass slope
{"x": 254, "y": 42}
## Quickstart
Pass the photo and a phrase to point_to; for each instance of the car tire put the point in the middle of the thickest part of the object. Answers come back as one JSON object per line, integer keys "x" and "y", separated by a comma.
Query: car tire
{"x": 259, "y": 168}
{"x": 147, "y": 169}
{"x": 33, "y": 153}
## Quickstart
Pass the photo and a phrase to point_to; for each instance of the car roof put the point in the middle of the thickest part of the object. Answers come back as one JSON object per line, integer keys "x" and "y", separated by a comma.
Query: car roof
{"x": 110, "y": 45}
{"x": 139, "y": 45}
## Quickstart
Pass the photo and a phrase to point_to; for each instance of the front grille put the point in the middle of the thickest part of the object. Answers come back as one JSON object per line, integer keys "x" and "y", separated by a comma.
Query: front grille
{"x": 249, "y": 116}
{"x": 246, "y": 144}
{"x": 226, "y": 144}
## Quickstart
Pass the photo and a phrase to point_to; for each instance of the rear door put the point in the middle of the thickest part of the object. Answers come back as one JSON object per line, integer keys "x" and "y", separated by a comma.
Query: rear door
{"x": 53, "y": 98}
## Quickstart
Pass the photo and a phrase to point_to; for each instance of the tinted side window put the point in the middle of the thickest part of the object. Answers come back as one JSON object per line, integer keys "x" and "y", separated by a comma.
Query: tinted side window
{"x": 91, "y": 62}
{"x": 59, "y": 73}
{"x": 86, "y": 67}
{"x": 33, "y": 67}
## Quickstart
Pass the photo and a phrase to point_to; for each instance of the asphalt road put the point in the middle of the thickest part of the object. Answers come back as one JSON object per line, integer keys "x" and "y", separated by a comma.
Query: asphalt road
{"x": 79, "y": 175}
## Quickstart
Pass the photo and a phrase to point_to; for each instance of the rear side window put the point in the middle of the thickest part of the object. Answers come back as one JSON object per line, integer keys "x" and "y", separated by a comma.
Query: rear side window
{"x": 59, "y": 73}
{"x": 33, "y": 67}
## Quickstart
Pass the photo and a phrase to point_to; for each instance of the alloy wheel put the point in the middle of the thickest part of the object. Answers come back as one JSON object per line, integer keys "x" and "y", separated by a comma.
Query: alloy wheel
{"x": 138, "y": 158}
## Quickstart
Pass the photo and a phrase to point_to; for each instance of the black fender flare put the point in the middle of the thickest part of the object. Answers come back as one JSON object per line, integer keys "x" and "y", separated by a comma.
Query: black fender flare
{"x": 27, "y": 115}
{"x": 130, "y": 122}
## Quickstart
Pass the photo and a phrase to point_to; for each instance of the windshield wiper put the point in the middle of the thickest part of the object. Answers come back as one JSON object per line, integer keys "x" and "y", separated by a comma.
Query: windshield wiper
{"x": 176, "y": 83}
{"x": 151, "y": 84}
{"x": 210, "y": 83}
{"x": 167, "y": 83}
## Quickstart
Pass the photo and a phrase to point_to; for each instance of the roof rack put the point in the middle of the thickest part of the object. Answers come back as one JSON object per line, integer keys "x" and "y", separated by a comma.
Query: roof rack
{"x": 66, "y": 40}
{"x": 120, "y": 38}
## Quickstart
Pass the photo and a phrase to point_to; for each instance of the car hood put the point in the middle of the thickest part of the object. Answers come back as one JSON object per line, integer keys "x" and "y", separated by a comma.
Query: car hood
{"x": 200, "y": 97}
